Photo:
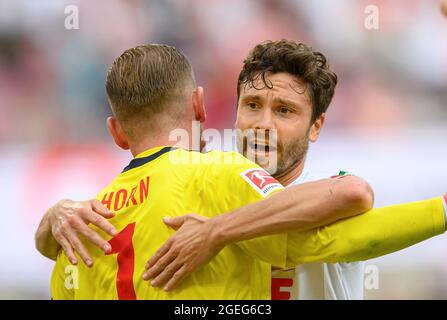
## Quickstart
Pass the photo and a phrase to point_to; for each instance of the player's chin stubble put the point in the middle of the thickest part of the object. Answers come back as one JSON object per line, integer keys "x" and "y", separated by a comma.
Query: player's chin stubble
{"x": 290, "y": 156}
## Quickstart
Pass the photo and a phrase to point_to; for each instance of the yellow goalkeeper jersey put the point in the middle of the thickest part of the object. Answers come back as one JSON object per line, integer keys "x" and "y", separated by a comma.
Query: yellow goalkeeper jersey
{"x": 167, "y": 182}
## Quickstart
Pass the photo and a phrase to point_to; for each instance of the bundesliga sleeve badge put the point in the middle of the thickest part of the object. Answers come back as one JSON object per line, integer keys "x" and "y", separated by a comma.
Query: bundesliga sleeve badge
{"x": 261, "y": 181}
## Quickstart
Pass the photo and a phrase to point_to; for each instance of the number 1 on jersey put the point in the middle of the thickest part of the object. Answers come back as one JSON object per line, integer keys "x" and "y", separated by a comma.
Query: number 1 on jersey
{"x": 122, "y": 244}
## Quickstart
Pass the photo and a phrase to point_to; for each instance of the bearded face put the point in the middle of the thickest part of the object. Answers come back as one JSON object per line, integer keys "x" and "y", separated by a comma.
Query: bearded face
{"x": 274, "y": 123}
{"x": 274, "y": 155}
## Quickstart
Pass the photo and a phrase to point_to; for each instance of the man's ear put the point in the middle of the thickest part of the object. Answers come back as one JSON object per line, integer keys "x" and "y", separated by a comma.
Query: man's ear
{"x": 198, "y": 104}
{"x": 316, "y": 127}
{"x": 117, "y": 133}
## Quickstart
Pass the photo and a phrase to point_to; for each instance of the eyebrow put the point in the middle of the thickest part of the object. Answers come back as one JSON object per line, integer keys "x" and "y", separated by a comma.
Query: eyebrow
{"x": 252, "y": 97}
{"x": 286, "y": 102}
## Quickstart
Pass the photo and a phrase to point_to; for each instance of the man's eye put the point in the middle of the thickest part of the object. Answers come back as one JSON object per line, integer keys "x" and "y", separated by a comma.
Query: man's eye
{"x": 284, "y": 110}
{"x": 252, "y": 105}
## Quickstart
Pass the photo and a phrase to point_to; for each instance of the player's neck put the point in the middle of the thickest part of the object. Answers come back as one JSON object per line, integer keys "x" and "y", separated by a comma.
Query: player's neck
{"x": 292, "y": 174}
{"x": 143, "y": 146}
{"x": 152, "y": 141}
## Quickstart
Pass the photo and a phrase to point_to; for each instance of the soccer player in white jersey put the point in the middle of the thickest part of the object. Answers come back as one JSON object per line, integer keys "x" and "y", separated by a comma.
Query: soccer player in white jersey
{"x": 278, "y": 81}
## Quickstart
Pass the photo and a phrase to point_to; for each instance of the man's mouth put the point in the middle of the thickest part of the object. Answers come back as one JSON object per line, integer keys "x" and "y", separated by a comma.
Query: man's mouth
{"x": 261, "y": 147}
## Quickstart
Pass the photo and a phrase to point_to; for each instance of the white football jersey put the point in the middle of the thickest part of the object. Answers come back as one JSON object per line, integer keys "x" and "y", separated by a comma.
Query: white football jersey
{"x": 319, "y": 281}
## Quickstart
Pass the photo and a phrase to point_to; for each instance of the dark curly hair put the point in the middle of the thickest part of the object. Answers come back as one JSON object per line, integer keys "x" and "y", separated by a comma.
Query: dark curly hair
{"x": 296, "y": 59}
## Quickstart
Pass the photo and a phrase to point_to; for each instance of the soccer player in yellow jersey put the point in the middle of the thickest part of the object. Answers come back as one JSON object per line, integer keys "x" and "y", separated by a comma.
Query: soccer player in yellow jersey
{"x": 170, "y": 180}
{"x": 209, "y": 188}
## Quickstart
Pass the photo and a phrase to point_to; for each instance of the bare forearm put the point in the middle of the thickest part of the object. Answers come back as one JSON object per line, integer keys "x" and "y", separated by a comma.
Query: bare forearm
{"x": 297, "y": 208}
{"x": 46, "y": 244}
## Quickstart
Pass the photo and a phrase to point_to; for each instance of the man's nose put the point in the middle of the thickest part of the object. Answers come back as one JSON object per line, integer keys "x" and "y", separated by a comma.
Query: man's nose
{"x": 265, "y": 120}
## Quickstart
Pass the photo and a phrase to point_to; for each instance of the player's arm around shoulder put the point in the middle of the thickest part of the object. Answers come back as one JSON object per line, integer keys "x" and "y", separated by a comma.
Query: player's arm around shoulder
{"x": 62, "y": 224}
{"x": 376, "y": 233}
{"x": 351, "y": 194}
{"x": 254, "y": 209}
{"x": 298, "y": 208}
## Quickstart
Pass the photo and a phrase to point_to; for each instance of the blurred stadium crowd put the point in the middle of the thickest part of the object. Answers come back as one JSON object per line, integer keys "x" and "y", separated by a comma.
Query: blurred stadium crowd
{"x": 52, "y": 97}
{"x": 52, "y": 79}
